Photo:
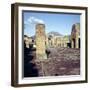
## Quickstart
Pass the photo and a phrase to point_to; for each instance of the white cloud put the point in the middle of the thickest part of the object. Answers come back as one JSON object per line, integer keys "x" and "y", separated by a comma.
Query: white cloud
{"x": 34, "y": 20}
{"x": 29, "y": 25}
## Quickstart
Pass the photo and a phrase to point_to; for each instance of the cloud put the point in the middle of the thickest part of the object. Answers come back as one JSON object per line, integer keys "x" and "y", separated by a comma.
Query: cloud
{"x": 29, "y": 25}
{"x": 34, "y": 20}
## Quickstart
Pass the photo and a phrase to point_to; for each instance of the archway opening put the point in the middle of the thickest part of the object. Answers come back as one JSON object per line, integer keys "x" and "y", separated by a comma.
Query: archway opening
{"x": 79, "y": 42}
{"x": 74, "y": 43}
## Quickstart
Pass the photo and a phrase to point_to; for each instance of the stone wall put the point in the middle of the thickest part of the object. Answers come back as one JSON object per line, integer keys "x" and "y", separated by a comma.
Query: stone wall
{"x": 75, "y": 36}
{"x": 57, "y": 41}
{"x": 27, "y": 41}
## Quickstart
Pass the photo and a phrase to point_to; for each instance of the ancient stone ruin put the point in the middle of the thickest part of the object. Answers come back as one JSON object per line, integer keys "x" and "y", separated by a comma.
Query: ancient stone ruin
{"x": 62, "y": 56}
{"x": 40, "y": 42}
{"x": 75, "y": 36}
{"x": 58, "y": 41}
{"x": 27, "y": 41}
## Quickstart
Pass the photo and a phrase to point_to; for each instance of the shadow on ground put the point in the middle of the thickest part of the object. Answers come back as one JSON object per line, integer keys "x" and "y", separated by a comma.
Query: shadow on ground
{"x": 30, "y": 69}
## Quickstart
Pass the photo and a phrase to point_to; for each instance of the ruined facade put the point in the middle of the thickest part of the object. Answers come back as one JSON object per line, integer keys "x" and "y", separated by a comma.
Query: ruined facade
{"x": 40, "y": 42}
{"x": 75, "y": 36}
{"x": 62, "y": 41}
{"x": 58, "y": 41}
{"x": 27, "y": 41}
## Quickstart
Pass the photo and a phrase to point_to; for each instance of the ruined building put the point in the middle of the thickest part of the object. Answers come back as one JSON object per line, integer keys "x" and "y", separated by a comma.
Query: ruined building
{"x": 75, "y": 36}
{"x": 27, "y": 41}
{"x": 58, "y": 41}
{"x": 42, "y": 41}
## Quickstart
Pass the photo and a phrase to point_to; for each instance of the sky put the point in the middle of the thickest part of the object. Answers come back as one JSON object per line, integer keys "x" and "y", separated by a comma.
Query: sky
{"x": 58, "y": 22}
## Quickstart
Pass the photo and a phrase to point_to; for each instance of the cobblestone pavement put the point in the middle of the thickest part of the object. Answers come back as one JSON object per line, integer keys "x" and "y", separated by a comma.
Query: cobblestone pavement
{"x": 61, "y": 61}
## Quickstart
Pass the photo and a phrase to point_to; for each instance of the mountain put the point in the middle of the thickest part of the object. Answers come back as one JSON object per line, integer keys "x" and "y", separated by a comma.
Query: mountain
{"x": 54, "y": 33}
{"x": 33, "y": 37}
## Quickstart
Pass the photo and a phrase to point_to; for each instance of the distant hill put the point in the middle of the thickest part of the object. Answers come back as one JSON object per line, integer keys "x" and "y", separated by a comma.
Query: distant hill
{"x": 66, "y": 36}
{"x": 33, "y": 37}
{"x": 54, "y": 33}
{"x": 50, "y": 34}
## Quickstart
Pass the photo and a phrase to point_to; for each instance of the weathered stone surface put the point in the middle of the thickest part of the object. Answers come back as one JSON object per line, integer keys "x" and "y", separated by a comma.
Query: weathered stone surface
{"x": 75, "y": 36}
{"x": 65, "y": 62}
{"x": 40, "y": 42}
{"x": 61, "y": 59}
{"x": 27, "y": 41}
{"x": 58, "y": 41}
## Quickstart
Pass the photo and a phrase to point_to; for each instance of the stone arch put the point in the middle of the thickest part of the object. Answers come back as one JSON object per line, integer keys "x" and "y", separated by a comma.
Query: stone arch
{"x": 79, "y": 42}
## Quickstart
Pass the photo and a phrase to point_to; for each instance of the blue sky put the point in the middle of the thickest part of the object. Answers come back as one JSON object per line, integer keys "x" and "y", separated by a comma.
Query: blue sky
{"x": 61, "y": 23}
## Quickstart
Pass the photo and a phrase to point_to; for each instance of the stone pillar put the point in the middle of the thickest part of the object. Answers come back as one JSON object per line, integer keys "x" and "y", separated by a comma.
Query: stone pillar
{"x": 40, "y": 42}
{"x": 76, "y": 44}
{"x": 65, "y": 45}
{"x": 53, "y": 41}
{"x": 72, "y": 44}
{"x": 47, "y": 42}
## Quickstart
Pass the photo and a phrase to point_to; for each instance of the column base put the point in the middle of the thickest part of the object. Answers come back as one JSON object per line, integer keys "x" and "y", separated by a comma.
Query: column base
{"x": 41, "y": 56}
